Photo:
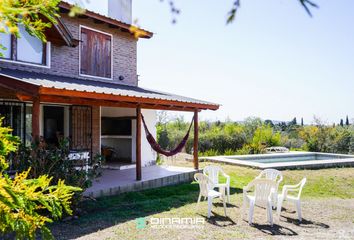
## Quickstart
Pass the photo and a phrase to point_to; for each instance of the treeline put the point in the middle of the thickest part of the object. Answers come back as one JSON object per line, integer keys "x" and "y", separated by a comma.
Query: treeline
{"x": 253, "y": 135}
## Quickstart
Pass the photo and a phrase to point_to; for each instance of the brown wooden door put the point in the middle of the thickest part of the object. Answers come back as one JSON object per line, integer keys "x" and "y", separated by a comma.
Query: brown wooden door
{"x": 81, "y": 128}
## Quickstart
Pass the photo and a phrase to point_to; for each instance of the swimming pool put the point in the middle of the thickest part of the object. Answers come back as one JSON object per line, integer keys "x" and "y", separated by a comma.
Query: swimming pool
{"x": 287, "y": 160}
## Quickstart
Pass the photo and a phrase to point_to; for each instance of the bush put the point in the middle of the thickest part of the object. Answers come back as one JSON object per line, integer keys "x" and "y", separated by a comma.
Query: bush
{"x": 54, "y": 162}
{"x": 27, "y": 205}
{"x": 253, "y": 136}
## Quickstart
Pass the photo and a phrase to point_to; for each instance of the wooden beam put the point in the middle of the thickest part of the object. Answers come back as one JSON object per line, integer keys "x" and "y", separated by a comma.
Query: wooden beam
{"x": 18, "y": 86}
{"x": 195, "y": 146}
{"x": 24, "y": 97}
{"x": 138, "y": 143}
{"x": 119, "y": 98}
{"x": 36, "y": 111}
{"x": 92, "y": 102}
{"x": 98, "y": 21}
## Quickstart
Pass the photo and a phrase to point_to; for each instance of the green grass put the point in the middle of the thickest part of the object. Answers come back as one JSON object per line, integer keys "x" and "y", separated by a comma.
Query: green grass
{"x": 121, "y": 211}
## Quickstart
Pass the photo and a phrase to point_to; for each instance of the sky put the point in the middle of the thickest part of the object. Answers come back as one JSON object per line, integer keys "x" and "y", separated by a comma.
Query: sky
{"x": 273, "y": 62}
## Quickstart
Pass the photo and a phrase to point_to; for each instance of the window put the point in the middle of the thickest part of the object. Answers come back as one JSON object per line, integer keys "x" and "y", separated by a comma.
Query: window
{"x": 53, "y": 119}
{"x": 95, "y": 54}
{"x": 27, "y": 49}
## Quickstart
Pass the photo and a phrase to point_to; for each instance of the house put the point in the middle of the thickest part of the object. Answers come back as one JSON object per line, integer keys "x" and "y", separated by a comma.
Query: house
{"x": 82, "y": 84}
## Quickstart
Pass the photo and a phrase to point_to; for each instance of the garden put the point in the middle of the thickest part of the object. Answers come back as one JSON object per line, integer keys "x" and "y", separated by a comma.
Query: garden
{"x": 254, "y": 135}
{"x": 327, "y": 202}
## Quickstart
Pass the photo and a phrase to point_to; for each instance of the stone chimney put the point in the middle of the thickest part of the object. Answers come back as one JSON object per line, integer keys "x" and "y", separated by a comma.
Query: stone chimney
{"x": 120, "y": 10}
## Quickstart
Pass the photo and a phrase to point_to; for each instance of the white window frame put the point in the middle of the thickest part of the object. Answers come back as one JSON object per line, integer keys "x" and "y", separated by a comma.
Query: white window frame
{"x": 48, "y": 59}
{"x": 105, "y": 33}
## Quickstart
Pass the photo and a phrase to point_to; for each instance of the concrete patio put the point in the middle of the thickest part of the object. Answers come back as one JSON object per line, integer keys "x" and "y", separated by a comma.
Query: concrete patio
{"x": 113, "y": 182}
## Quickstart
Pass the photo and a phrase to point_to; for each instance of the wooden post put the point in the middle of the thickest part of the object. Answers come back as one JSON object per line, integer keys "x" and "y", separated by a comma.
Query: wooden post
{"x": 36, "y": 110}
{"x": 138, "y": 143}
{"x": 195, "y": 147}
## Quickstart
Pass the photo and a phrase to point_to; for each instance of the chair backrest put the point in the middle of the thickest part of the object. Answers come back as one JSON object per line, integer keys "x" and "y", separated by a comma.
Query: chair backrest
{"x": 213, "y": 173}
{"x": 262, "y": 190}
{"x": 204, "y": 183}
{"x": 271, "y": 174}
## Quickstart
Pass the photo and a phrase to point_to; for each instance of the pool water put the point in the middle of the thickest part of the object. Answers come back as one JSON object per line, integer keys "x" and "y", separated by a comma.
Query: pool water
{"x": 287, "y": 160}
{"x": 279, "y": 159}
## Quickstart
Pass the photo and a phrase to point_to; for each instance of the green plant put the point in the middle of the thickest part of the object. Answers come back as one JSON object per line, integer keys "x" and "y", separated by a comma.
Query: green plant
{"x": 54, "y": 161}
{"x": 27, "y": 205}
{"x": 210, "y": 152}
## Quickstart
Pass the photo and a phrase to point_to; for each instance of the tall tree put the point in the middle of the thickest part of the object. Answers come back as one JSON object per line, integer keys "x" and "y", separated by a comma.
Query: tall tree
{"x": 341, "y": 122}
{"x": 347, "y": 121}
{"x": 302, "y": 121}
{"x": 293, "y": 122}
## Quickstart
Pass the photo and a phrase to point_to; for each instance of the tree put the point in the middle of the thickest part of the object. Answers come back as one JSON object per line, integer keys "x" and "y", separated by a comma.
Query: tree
{"x": 306, "y": 4}
{"x": 347, "y": 121}
{"x": 29, "y": 14}
{"x": 341, "y": 123}
{"x": 35, "y": 15}
{"x": 269, "y": 122}
{"x": 302, "y": 121}
{"x": 293, "y": 122}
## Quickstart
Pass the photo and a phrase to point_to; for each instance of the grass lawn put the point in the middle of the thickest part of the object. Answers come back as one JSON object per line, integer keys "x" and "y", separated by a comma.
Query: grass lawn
{"x": 328, "y": 206}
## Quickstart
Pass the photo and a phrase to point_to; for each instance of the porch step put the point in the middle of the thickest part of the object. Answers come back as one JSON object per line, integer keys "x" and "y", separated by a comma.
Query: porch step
{"x": 119, "y": 166}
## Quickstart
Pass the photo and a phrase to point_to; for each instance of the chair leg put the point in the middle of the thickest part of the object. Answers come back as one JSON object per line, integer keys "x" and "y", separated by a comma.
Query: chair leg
{"x": 298, "y": 207}
{"x": 274, "y": 200}
{"x": 199, "y": 198}
{"x": 279, "y": 206}
{"x": 210, "y": 201}
{"x": 250, "y": 214}
{"x": 224, "y": 203}
{"x": 270, "y": 213}
{"x": 228, "y": 194}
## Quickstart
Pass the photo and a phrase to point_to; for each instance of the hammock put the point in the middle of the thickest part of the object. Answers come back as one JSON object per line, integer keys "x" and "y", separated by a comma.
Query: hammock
{"x": 154, "y": 145}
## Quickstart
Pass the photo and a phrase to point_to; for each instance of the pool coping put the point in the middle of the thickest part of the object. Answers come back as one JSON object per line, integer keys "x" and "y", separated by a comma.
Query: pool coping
{"x": 347, "y": 160}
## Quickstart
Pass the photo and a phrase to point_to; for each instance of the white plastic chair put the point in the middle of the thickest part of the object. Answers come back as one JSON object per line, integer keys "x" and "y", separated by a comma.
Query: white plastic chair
{"x": 261, "y": 198}
{"x": 275, "y": 175}
{"x": 206, "y": 191}
{"x": 295, "y": 198}
{"x": 213, "y": 173}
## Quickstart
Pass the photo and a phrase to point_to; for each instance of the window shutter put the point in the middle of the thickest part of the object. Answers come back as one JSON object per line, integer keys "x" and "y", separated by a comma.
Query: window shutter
{"x": 96, "y": 54}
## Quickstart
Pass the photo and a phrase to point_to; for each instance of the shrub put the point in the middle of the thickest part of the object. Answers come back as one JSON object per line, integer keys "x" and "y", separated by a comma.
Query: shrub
{"x": 209, "y": 153}
{"x": 54, "y": 162}
{"x": 27, "y": 205}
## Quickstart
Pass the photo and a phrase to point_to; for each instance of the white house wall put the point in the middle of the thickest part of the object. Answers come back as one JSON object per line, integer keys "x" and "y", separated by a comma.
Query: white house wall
{"x": 148, "y": 156}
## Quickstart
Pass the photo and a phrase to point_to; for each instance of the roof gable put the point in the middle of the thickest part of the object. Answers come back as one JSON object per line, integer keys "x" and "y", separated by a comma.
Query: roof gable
{"x": 113, "y": 23}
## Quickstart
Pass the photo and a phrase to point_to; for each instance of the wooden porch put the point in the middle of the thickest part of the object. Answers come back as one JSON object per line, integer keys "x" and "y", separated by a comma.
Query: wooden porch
{"x": 36, "y": 89}
{"x": 113, "y": 182}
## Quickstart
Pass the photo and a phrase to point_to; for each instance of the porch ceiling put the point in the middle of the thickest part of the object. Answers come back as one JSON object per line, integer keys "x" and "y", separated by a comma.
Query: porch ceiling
{"x": 51, "y": 88}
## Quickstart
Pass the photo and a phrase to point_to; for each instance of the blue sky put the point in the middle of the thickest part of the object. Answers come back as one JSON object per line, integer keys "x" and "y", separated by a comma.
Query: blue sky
{"x": 274, "y": 61}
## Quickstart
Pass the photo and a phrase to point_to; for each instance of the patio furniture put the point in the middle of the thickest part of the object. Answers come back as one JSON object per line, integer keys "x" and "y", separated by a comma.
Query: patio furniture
{"x": 295, "y": 198}
{"x": 277, "y": 150}
{"x": 275, "y": 175}
{"x": 213, "y": 173}
{"x": 206, "y": 191}
{"x": 262, "y": 197}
